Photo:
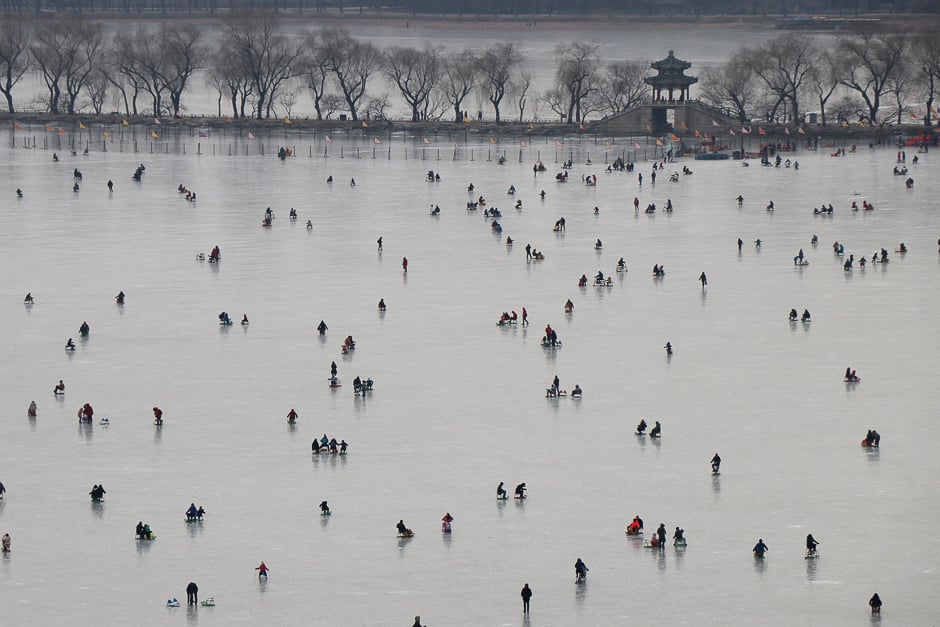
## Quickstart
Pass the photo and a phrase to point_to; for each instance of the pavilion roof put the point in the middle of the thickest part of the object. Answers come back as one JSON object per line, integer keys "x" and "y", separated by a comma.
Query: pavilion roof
{"x": 670, "y": 81}
{"x": 671, "y": 63}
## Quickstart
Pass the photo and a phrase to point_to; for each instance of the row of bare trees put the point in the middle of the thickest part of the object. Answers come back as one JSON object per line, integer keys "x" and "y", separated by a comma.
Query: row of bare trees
{"x": 875, "y": 77}
{"x": 257, "y": 66}
{"x": 260, "y": 71}
{"x": 257, "y": 69}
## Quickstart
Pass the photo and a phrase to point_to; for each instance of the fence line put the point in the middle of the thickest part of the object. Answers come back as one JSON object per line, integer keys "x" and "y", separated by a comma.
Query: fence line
{"x": 579, "y": 148}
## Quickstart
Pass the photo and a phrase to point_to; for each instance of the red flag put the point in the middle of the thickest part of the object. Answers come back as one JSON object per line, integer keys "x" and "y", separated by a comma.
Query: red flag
{"x": 746, "y": 131}
{"x": 329, "y": 139}
{"x": 715, "y": 123}
{"x": 522, "y": 143}
{"x": 638, "y": 147}
{"x": 426, "y": 140}
{"x": 456, "y": 145}
{"x": 731, "y": 131}
{"x": 761, "y": 131}
{"x": 376, "y": 140}
{"x": 557, "y": 144}
{"x": 251, "y": 135}
{"x": 801, "y": 131}
{"x": 156, "y": 120}
{"x": 786, "y": 129}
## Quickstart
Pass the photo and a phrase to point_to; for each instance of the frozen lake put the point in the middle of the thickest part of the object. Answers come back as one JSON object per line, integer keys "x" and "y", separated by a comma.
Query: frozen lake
{"x": 459, "y": 403}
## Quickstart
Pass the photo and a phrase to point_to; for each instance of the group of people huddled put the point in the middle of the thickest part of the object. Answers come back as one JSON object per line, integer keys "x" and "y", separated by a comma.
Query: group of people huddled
{"x": 143, "y": 531}
{"x": 326, "y": 444}
{"x": 876, "y": 257}
{"x": 655, "y": 432}
{"x": 189, "y": 195}
{"x": 268, "y": 219}
{"x": 554, "y": 390}
{"x": 85, "y": 413}
{"x": 194, "y": 513}
{"x": 361, "y": 387}
{"x": 518, "y": 493}
{"x": 658, "y": 539}
{"x": 226, "y": 320}
{"x": 804, "y": 318}
{"x": 551, "y": 337}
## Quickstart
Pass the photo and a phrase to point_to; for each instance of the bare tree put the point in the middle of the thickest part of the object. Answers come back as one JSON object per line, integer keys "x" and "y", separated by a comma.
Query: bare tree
{"x": 575, "y": 75}
{"x": 264, "y": 55}
{"x": 461, "y": 71}
{"x": 376, "y": 107}
{"x": 927, "y": 54}
{"x": 869, "y": 61}
{"x": 898, "y": 86}
{"x": 415, "y": 73}
{"x": 225, "y": 73}
{"x": 183, "y": 56}
{"x": 51, "y": 47}
{"x": 141, "y": 56}
{"x": 622, "y": 86}
{"x": 783, "y": 65}
{"x": 731, "y": 86}
{"x": 97, "y": 90}
{"x": 352, "y": 62}
{"x": 119, "y": 67}
{"x": 86, "y": 53}
{"x": 287, "y": 98}
{"x": 556, "y": 101}
{"x": 331, "y": 103}
{"x": 497, "y": 65}
{"x": 520, "y": 90}
{"x": 14, "y": 54}
{"x": 313, "y": 66}
{"x": 823, "y": 80}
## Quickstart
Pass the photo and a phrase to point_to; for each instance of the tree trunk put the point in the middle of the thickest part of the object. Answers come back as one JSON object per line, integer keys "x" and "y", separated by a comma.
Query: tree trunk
{"x": 261, "y": 104}
{"x": 54, "y": 94}
{"x": 927, "y": 119}
{"x": 9, "y": 96}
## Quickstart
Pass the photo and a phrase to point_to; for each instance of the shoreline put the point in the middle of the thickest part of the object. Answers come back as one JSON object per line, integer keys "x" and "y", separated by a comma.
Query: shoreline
{"x": 72, "y": 124}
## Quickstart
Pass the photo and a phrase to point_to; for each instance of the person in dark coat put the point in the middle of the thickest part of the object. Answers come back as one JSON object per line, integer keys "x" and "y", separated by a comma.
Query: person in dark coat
{"x": 527, "y": 594}
{"x": 192, "y": 590}
{"x": 661, "y": 533}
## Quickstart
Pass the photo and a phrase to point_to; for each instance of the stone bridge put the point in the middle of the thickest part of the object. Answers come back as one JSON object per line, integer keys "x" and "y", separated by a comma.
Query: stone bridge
{"x": 652, "y": 118}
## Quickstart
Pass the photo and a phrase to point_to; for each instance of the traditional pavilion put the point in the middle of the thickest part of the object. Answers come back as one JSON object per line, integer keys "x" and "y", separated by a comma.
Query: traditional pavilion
{"x": 671, "y": 79}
